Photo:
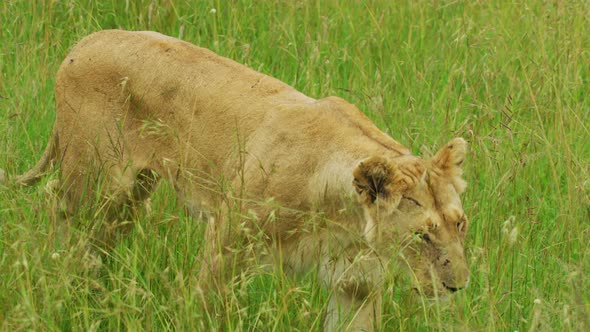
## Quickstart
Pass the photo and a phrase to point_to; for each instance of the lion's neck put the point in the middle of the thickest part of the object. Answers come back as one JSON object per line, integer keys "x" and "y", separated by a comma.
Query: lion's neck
{"x": 331, "y": 189}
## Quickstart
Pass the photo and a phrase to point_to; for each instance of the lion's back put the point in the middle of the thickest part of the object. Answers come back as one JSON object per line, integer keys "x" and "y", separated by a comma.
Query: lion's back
{"x": 154, "y": 94}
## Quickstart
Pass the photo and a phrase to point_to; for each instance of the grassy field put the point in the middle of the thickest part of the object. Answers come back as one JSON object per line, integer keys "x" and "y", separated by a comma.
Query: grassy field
{"x": 513, "y": 78}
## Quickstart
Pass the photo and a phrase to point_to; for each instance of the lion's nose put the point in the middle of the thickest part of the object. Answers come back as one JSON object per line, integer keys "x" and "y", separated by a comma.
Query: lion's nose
{"x": 451, "y": 288}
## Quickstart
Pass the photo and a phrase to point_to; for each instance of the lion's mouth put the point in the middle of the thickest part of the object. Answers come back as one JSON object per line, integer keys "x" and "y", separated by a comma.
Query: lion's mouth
{"x": 428, "y": 291}
{"x": 450, "y": 289}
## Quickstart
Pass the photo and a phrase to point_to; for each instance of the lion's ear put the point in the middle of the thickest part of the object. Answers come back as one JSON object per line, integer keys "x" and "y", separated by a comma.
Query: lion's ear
{"x": 448, "y": 162}
{"x": 376, "y": 178}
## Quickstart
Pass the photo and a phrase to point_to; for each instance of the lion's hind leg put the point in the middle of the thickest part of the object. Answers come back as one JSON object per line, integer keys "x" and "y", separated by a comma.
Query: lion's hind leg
{"x": 106, "y": 200}
{"x": 123, "y": 201}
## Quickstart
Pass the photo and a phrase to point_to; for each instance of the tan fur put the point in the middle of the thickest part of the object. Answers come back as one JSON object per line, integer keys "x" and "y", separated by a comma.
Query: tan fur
{"x": 312, "y": 182}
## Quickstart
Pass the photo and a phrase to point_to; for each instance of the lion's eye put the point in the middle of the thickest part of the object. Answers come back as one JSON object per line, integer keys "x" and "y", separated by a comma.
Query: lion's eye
{"x": 412, "y": 200}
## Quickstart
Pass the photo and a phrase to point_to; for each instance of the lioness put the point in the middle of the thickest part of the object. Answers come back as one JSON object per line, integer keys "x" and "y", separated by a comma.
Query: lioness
{"x": 312, "y": 182}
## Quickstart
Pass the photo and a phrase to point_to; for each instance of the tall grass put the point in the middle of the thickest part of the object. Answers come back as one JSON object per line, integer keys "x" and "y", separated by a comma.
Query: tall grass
{"x": 510, "y": 77}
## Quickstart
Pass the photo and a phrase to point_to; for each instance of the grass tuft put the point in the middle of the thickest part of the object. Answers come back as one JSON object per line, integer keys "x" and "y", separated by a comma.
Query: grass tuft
{"x": 510, "y": 77}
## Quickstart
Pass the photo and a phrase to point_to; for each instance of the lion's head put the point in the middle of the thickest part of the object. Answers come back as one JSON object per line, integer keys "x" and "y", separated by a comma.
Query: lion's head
{"x": 415, "y": 203}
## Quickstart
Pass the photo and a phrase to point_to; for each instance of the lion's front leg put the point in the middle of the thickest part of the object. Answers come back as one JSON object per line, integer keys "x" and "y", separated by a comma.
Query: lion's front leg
{"x": 355, "y": 280}
{"x": 212, "y": 275}
{"x": 350, "y": 313}
{"x": 226, "y": 252}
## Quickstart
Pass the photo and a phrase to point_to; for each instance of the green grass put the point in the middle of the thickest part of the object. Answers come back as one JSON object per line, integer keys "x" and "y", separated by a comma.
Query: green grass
{"x": 510, "y": 77}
